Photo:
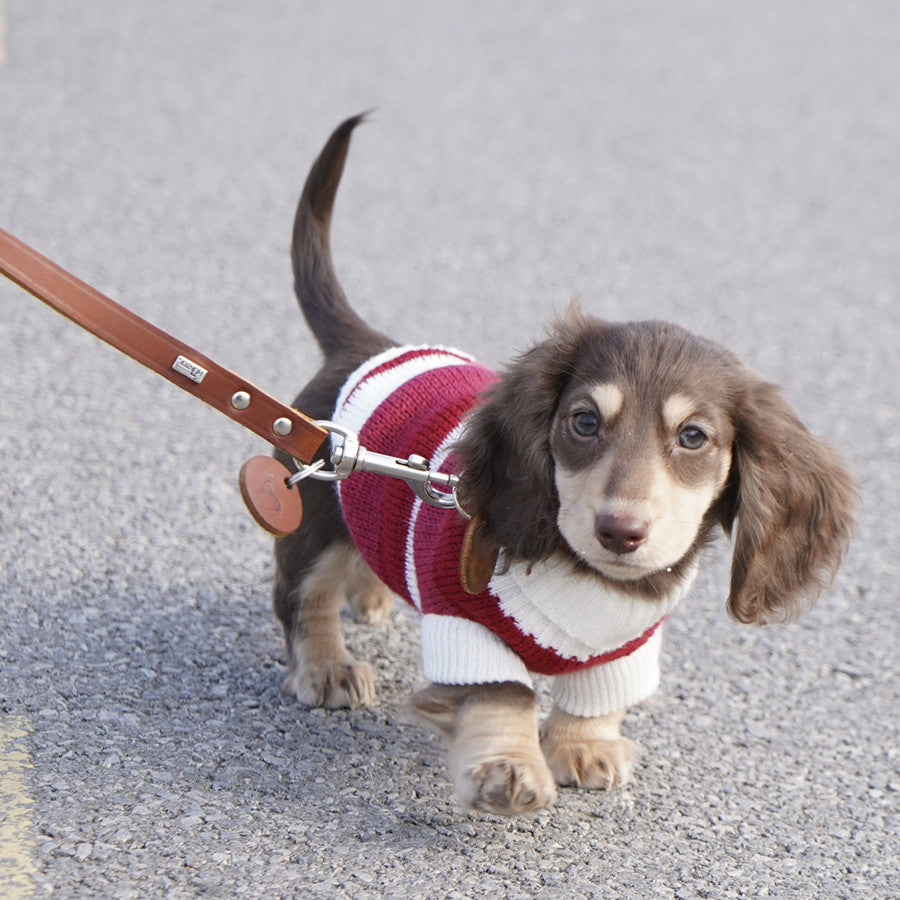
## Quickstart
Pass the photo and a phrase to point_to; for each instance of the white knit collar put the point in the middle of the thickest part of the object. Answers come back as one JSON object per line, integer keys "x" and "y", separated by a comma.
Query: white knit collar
{"x": 575, "y": 613}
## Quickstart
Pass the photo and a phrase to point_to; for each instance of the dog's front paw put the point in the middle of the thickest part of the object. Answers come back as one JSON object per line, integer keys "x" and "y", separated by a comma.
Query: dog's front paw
{"x": 507, "y": 786}
{"x": 334, "y": 684}
{"x": 593, "y": 764}
{"x": 493, "y": 751}
{"x": 585, "y": 752}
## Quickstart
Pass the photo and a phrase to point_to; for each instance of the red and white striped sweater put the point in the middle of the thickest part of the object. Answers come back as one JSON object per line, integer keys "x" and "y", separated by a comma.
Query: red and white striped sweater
{"x": 601, "y": 645}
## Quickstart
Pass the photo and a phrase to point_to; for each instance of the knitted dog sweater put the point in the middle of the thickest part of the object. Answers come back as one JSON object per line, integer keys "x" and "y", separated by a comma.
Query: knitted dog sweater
{"x": 600, "y": 645}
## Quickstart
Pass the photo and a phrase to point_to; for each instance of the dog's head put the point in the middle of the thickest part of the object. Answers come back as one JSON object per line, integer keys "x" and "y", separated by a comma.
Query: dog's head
{"x": 625, "y": 445}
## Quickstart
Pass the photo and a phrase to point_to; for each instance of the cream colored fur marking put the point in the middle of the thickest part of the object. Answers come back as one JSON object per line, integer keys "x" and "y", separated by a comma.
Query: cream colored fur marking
{"x": 369, "y": 599}
{"x": 677, "y": 410}
{"x": 609, "y": 399}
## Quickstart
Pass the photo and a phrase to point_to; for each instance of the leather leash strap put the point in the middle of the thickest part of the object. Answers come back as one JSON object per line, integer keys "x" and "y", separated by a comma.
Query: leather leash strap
{"x": 195, "y": 373}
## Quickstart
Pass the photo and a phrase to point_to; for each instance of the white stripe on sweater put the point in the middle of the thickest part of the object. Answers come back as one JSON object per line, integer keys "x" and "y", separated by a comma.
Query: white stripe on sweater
{"x": 410, "y": 567}
{"x": 362, "y": 394}
{"x": 572, "y": 612}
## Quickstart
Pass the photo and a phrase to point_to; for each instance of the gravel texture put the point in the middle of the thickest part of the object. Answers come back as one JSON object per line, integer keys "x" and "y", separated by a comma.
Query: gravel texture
{"x": 732, "y": 167}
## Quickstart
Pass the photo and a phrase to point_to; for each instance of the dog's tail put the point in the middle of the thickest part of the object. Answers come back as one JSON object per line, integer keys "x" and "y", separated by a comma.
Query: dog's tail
{"x": 331, "y": 319}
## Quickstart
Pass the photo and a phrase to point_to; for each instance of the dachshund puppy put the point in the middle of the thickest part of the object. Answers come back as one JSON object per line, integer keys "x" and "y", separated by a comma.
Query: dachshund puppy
{"x": 595, "y": 469}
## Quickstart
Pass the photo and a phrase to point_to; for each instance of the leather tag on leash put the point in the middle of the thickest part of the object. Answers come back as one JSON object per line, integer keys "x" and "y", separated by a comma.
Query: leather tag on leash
{"x": 273, "y": 503}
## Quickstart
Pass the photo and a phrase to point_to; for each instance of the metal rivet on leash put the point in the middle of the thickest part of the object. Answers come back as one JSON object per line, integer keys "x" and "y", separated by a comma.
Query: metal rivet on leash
{"x": 282, "y": 426}
{"x": 240, "y": 399}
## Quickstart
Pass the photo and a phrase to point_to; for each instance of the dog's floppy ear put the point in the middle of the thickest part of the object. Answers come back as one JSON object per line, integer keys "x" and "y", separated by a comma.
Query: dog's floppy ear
{"x": 793, "y": 499}
{"x": 507, "y": 476}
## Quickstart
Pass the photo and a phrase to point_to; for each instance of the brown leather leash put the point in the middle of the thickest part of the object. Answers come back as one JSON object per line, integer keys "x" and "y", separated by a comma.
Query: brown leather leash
{"x": 272, "y": 502}
{"x": 267, "y": 486}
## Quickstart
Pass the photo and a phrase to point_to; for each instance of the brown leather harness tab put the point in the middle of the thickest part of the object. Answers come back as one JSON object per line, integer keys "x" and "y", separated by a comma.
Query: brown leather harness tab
{"x": 179, "y": 363}
{"x": 477, "y": 559}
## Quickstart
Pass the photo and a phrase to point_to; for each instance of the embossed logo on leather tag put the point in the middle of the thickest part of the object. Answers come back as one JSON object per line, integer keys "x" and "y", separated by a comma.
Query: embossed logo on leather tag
{"x": 272, "y": 503}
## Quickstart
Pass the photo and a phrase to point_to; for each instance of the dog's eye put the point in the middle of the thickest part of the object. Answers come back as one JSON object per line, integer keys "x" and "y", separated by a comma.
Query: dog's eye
{"x": 692, "y": 438}
{"x": 586, "y": 423}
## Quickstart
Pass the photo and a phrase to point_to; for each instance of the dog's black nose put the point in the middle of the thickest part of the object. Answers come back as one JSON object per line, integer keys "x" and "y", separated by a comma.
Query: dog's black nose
{"x": 621, "y": 534}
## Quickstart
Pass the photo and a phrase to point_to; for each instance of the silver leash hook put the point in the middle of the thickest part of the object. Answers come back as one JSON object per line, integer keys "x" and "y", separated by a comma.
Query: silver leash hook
{"x": 341, "y": 460}
{"x": 437, "y": 489}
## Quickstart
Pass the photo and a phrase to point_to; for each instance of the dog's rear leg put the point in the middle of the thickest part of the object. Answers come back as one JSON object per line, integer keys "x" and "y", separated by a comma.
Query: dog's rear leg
{"x": 367, "y": 597}
{"x": 320, "y": 670}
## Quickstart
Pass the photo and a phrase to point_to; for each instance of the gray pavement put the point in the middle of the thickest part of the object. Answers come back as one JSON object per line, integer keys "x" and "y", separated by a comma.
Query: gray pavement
{"x": 732, "y": 167}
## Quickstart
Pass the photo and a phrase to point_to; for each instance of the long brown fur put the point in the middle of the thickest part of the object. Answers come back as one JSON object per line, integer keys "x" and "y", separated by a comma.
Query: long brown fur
{"x": 785, "y": 496}
{"x": 794, "y": 502}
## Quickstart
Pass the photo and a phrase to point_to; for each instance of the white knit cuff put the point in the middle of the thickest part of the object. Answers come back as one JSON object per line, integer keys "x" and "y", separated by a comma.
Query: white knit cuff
{"x": 600, "y": 690}
{"x": 457, "y": 651}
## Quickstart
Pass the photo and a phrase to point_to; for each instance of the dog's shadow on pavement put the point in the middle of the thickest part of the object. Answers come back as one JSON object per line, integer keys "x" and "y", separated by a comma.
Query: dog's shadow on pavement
{"x": 178, "y": 715}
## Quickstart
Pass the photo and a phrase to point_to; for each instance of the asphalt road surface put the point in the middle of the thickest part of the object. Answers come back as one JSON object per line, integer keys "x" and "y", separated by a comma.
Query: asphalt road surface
{"x": 734, "y": 167}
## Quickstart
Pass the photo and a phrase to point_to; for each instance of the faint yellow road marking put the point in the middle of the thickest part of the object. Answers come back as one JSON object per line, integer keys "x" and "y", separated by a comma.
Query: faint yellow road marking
{"x": 16, "y": 829}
